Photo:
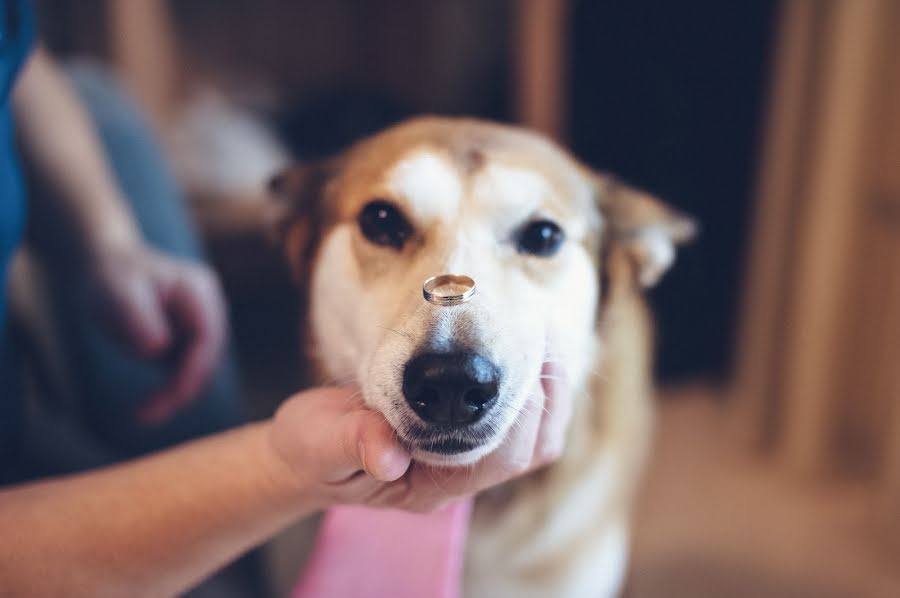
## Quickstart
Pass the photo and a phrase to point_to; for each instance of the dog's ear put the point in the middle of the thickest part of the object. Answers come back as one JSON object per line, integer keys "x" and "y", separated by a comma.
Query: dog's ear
{"x": 645, "y": 227}
{"x": 298, "y": 200}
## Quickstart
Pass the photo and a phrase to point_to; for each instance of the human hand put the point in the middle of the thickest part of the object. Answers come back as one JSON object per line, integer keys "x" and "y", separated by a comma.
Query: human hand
{"x": 334, "y": 450}
{"x": 162, "y": 307}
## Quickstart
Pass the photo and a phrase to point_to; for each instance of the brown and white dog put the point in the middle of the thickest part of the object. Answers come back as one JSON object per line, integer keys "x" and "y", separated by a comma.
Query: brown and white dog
{"x": 560, "y": 255}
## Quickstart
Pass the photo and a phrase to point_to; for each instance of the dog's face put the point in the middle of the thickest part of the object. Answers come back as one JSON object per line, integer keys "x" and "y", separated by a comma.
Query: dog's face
{"x": 498, "y": 204}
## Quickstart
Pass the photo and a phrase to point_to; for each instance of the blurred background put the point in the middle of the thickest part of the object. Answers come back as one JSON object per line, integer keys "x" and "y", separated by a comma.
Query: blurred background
{"x": 776, "y": 470}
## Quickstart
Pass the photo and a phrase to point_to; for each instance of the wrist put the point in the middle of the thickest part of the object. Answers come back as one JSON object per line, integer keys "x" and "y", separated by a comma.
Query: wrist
{"x": 110, "y": 233}
{"x": 72, "y": 240}
{"x": 282, "y": 481}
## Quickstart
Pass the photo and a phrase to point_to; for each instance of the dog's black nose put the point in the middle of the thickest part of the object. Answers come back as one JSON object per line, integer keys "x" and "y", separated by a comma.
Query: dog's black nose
{"x": 450, "y": 388}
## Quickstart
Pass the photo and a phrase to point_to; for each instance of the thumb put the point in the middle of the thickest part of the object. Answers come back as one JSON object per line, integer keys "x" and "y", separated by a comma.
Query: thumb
{"x": 323, "y": 434}
{"x": 369, "y": 444}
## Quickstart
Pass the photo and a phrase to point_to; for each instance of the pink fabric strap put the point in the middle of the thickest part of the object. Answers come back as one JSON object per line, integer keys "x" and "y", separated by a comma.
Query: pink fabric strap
{"x": 374, "y": 553}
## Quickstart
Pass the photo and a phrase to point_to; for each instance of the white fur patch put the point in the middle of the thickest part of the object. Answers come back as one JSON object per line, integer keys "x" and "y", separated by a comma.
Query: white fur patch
{"x": 509, "y": 191}
{"x": 512, "y": 194}
{"x": 339, "y": 341}
{"x": 429, "y": 184}
{"x": 656, "y": 253}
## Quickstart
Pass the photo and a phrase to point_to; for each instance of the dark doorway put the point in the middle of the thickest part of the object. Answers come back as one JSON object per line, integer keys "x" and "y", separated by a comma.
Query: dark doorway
{"x": 670, "y": 96}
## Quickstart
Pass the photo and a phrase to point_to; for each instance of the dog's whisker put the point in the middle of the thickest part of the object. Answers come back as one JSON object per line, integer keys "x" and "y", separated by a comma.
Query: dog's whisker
{"x": 526, "y": 411}
{"x": 338, "y": 380}
{"x": 405, "y": 335}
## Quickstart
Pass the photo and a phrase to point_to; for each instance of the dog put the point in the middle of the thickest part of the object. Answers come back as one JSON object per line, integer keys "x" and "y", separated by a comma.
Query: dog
{"x": 560, "y": 255}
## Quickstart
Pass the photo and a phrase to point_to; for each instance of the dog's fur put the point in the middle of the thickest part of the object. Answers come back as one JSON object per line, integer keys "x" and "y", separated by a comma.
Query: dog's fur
{"x": 467, "y": 186}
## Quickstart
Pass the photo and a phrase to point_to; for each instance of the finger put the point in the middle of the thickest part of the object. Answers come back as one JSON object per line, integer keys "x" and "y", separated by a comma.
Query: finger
{"x": 556, "y": 415}
{"x": 514, "y": 455}
{"x": 370, "y": 445}
{"x": 138, "y": 316}
{"x": 350, "y": 397}
{"x": 431, "y": 487}
{"x": 196, "y": 308}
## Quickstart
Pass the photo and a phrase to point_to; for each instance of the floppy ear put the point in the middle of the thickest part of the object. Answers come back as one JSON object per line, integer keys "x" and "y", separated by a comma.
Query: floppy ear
{"x": 648, "y": 229}
{"x": 298, "y": 195}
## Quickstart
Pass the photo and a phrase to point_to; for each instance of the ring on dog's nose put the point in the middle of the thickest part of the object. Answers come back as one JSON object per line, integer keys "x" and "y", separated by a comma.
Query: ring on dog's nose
{"x": 448, "y": 289}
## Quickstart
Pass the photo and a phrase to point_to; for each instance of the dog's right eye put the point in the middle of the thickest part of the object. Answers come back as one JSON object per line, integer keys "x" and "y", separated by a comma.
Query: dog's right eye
{"x": 383, "y": 224}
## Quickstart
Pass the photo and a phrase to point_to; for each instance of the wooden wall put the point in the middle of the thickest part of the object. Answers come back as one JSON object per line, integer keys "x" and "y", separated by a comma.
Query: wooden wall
{"x": 818, "y": 382}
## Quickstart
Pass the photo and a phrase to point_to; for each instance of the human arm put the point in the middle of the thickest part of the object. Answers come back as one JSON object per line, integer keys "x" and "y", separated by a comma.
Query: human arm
{"x": 149, "y": 527}
{"x": 86, "y": 234}
{"x": 158, "y": 525}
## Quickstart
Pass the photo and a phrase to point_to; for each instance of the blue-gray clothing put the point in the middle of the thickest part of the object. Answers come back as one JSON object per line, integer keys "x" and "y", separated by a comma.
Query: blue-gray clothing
{"x": 109, "y": 383}
{"x": 16, "y": 38}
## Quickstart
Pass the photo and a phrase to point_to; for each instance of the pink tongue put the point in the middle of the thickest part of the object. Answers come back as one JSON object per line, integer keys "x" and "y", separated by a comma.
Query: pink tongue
{"x": 375, "y": 553}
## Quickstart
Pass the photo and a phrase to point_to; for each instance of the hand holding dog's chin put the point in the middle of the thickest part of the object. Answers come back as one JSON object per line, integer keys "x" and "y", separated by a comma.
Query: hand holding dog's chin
{"x": 330, "y": 449}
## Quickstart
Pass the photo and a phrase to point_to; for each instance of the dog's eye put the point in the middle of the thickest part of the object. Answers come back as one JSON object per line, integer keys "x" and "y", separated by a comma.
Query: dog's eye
{"x": 541, "y": 237}
{"x": 383, "y": 224}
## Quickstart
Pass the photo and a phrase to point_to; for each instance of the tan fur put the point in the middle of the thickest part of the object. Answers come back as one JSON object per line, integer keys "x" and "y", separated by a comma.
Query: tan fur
{"x": 611, "y": 425}
{"x": 561, "y": 531}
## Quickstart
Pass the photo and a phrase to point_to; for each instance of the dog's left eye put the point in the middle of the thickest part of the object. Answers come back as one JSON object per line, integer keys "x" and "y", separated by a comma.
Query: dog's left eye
{"x": 383, "y": 224}
{"x": 541, "y": 237}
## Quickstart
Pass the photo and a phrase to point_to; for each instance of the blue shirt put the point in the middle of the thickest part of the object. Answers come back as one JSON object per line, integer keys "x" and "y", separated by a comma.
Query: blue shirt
{"x": 16, "y": 38}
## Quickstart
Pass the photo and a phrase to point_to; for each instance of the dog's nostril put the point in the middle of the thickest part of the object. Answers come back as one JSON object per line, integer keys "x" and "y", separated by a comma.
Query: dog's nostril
{"x": 450, "y": 388}
{"x": 427, "y": 395}
{"x": 477, "y": 397}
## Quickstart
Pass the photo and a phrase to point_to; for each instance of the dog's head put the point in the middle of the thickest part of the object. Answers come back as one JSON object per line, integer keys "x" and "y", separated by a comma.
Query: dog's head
{"x": 499, "y": 204}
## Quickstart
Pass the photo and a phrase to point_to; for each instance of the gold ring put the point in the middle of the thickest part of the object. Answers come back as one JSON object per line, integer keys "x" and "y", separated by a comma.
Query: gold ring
{"x": 448, "y": 289}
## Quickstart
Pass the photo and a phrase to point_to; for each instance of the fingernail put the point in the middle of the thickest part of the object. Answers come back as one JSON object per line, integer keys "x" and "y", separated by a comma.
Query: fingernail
{"x": 393, "y": 464}
{"x": 361, "y": 447}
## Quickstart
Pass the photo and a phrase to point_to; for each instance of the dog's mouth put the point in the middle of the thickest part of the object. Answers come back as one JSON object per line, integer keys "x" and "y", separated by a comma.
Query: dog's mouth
{"x": 448, "y": 449}
{"x": 448, "y": 443}
{"x": 448, "y": 446}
